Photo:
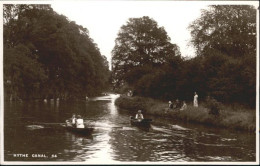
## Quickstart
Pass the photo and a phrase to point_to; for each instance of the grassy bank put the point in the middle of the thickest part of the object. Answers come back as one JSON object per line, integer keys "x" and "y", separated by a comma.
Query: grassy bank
{"x": 239, "y": 118}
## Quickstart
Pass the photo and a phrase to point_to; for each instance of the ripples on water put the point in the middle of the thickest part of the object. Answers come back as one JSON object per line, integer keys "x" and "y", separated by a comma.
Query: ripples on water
{"x": 114, "y": 139}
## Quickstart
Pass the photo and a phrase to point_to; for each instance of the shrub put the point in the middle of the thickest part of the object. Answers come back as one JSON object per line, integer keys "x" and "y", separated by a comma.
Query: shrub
{"x": 213, "y": 105}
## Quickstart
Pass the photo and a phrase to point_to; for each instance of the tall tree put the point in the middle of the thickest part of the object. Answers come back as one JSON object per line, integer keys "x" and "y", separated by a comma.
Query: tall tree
{"x": 65, "y": 60}
{"x": 141, "y": 42}
{"x": 224, "y": 37}
{"x": 230, "y": 29}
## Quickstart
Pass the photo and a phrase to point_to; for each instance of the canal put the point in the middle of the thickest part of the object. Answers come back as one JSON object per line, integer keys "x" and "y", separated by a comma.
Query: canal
{"x": 114, "y": 139}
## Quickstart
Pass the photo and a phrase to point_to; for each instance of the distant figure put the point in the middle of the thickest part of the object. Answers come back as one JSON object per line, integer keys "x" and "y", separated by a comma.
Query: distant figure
{"x": 45, "y": 100}
{"x": 184, "y": 106}
{"x": 170, "y": 105}
{"x": 139, "y": 116}
{"x": 79, "y": 122}
{"x": 129, "y": 93}
{"x": 86, "y": 98}
{"x": 195, "y": 100}
{"x": 177, "y": 103}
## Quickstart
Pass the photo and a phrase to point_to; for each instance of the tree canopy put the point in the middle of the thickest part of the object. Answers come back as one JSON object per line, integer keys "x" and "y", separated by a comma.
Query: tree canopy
{"x": 46, "y": 55}
{"x": 224, "y": 37}
{"x": 229, "y": 28}
{"x": 141, "y": 45}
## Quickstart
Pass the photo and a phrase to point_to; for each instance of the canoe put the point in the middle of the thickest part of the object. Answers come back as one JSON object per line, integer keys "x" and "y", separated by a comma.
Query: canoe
{"x": 142, "y": 123}
{"x": 81, "y": 131}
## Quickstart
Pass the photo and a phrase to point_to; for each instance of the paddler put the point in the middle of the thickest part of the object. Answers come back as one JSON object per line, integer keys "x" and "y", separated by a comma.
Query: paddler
{"x": 79, "y": 122}
{"x": 139, "y": 116}
{"x": 73, "y": 120}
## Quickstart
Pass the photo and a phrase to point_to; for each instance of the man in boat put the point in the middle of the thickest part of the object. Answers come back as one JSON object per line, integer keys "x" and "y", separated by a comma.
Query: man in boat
{"x": 139, "y": 116}
{"x": 79, "y": 122}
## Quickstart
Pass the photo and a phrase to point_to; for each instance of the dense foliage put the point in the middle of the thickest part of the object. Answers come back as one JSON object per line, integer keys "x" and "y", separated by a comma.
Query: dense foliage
{"x": 224, "y": 37}
{"x": 48, "y": 56}
{"x": 142, "y": 47}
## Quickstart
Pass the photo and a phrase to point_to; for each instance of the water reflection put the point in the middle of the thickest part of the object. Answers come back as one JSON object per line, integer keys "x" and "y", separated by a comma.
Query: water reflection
{"x": 112, "y": 107}
{"x": 114, "y": 139}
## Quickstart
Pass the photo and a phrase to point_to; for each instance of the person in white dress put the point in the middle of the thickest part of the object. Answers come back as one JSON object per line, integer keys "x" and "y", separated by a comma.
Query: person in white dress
{"x": 195, "y": 101}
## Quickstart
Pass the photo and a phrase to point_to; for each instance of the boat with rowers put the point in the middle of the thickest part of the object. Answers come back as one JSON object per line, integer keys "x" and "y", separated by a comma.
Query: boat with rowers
{"x": 77, "y": 126}
{"x": 82, "y": 131}
{"x": 140, "y": 123}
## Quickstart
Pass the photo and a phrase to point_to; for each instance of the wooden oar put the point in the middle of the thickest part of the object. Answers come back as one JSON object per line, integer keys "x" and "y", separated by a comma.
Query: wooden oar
{"x": 65, "y": 123}
{"x": 108, "y": 127}
{"x": 91, "y": 119}
{"x": 48, "y": 123}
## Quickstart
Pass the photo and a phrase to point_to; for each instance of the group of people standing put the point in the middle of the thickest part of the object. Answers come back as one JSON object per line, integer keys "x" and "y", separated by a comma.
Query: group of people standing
{"x": 177, "y": 103}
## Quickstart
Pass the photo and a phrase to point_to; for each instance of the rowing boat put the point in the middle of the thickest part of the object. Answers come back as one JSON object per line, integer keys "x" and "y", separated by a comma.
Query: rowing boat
{"x": 140, "y": 123}
{"x": 83, "y": 131}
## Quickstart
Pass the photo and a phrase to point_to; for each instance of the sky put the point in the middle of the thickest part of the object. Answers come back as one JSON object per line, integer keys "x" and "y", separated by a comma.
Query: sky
{"x": 103, "y": 19}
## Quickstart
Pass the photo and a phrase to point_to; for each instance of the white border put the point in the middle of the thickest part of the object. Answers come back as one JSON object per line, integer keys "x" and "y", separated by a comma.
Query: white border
{"x": 115, "y": 162}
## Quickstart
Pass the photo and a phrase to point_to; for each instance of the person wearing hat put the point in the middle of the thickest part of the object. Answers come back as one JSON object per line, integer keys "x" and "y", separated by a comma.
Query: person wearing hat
{"x": 80, "y": 122}
{"x": 139, "y": 116}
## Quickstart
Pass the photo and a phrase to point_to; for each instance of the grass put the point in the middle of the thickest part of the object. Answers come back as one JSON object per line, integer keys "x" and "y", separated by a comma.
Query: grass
{"x": 238, "y": 119}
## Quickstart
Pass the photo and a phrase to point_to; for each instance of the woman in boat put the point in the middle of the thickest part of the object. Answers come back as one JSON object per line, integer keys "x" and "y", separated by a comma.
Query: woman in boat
{"x": 71, "y": 121}
{"x": 139, "y": 116}
{"x": 79, "y": 122}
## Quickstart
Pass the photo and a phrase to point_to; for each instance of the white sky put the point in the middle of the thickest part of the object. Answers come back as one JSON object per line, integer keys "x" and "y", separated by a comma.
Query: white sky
{"x": 103, "y": 19}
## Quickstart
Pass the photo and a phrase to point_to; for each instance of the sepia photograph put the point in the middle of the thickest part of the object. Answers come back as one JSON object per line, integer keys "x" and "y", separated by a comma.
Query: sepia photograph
{"x": 129, "y": 82}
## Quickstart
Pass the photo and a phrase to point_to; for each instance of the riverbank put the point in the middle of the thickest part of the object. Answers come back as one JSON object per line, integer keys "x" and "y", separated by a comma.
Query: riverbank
{"x": 238, "y": 119}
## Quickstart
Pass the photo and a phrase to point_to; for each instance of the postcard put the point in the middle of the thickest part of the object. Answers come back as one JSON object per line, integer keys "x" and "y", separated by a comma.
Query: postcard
{"x": 129, "y": 82}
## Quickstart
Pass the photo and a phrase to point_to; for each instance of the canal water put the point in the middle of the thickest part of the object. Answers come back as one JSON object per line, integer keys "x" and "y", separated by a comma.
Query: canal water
{"x": 114, "y": 139}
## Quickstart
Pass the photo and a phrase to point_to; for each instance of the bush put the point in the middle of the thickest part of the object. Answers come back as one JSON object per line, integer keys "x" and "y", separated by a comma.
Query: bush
{"x": 213, "y": 105}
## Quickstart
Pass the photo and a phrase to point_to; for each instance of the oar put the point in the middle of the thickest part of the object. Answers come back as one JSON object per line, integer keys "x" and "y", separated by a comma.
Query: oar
{"x": 92, "y": 119}
{"x": 48, "y": 123}
{"x": 108, "y": 127}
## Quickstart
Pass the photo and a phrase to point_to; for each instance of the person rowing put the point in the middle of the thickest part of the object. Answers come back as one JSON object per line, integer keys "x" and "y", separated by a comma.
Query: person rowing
{"x": 72, "y": 121}
{"x": 139, "y": 116}
{"x": 79, "y": 122}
